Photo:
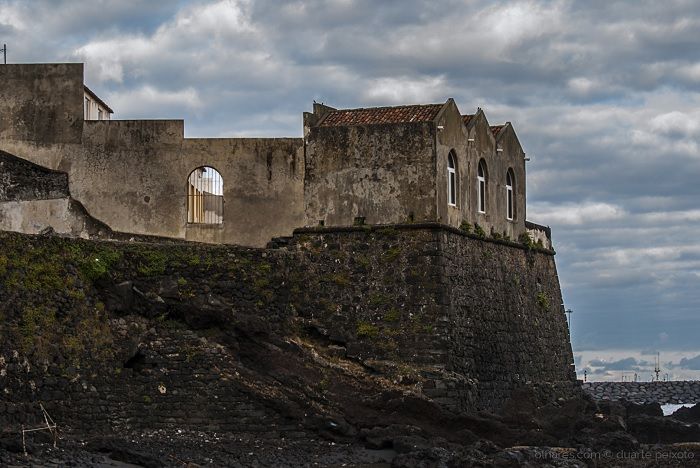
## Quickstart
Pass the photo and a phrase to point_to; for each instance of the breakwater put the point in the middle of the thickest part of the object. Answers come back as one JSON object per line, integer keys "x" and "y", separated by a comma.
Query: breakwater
{"x": 671, "y": 392}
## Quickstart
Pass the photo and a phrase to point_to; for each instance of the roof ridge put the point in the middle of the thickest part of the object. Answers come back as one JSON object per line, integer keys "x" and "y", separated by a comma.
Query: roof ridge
{"x": 387, "y": 107}
{"x": 406, "y": 113}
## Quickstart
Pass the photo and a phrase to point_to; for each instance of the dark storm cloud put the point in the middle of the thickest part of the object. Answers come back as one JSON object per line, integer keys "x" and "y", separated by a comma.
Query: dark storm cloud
{"x": 604, "y": 95}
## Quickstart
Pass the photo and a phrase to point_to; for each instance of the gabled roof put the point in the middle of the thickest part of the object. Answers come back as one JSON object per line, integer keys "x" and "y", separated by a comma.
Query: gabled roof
{"x": 98, "y": 100}
{"x": 381, "y": 115}
{"x": 495, "y": 129}
{"x": 468, "y": 118}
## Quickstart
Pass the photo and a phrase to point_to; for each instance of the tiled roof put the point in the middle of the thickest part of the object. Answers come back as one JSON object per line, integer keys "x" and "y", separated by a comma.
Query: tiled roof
{"x": 381, "y": 115}
{"x": 467, "y": 118}
{"x": 496, "y": 128}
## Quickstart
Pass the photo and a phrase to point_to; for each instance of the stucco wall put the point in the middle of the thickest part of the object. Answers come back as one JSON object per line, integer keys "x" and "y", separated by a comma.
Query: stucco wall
{"x": 133, "y": 175}
{"x": 452, "y": 136}
{"x": 41, "y": 103}
{"x": 32, "y": 217}
{"x": 484, "y": 146}
{"x": 33, "y": 198}
{"x": 385, "y": 173}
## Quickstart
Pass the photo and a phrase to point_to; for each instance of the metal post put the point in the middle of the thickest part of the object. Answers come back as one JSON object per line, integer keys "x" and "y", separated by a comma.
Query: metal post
{"x": 4, "y": 53}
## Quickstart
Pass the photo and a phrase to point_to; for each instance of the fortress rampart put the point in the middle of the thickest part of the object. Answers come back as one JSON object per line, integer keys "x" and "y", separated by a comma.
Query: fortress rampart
{"x": 95, "y": 329}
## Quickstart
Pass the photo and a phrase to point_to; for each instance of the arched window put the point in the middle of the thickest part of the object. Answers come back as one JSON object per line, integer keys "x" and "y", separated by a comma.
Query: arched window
{"x": 510, "y": 201}
{"x": 481, "y": 184}
{"x": 205, "y": 196}
{"x": 451, "y": 180}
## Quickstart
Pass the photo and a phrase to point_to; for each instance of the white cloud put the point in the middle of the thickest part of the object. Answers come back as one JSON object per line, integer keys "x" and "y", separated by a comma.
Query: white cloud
{"x": 566, "y": 214}
{"x": 13, "y": 16}
{"x": 677, "y": 123}
{"x": 151, "y": 102}
{"x": 406, "y": 90}
{"x": 615, "y": 364}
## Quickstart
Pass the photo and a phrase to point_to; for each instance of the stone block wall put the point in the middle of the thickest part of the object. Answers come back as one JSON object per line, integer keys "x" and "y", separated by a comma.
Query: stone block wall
{"x": 507, "y": 323}
{"x": 111, "y": 336}
{"x": 482, "y": 317}
{"x": 374, "y": 291}
{"x": 127, "y": 335}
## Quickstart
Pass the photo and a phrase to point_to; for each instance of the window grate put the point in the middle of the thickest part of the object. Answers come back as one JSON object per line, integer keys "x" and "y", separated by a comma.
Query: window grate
{"x": 205, "y": 196}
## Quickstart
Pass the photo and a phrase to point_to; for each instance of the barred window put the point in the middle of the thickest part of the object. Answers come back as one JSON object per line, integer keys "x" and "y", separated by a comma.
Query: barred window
{"x": 205, "y": 196}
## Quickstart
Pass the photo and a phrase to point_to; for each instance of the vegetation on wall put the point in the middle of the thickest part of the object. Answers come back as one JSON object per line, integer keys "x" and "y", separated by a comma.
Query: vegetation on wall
{"x": 48, "y": 302}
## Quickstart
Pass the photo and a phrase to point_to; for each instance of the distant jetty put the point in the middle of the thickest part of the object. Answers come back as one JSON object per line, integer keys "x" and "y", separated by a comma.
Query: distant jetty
{"x": 669, "y": 392}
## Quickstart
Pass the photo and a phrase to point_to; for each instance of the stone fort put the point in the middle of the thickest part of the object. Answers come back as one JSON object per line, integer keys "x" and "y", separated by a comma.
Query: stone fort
{"x": 395, "y": 236}
{"x": 379, "y": 166}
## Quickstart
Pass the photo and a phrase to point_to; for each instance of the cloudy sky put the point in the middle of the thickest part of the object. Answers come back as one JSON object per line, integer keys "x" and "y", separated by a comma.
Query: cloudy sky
{"x": 604, "y": 95}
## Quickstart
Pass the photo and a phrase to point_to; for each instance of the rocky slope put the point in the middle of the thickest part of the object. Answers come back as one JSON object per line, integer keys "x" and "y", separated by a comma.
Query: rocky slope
{"x": 154, "y": 355}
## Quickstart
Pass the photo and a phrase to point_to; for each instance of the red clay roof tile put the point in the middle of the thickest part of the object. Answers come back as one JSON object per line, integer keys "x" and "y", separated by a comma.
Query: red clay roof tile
{"x": 467, "y": 118}
{"x": 381, "y": 115}
{"x": 495, "y": 129}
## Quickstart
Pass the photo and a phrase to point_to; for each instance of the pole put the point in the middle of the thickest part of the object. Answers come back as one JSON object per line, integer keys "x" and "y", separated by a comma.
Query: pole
{"x": 4, "y": 54}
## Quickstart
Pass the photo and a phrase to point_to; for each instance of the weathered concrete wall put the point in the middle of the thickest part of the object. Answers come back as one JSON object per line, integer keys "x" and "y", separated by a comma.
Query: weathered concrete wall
{"x": 484, "y": 147}
{"x": 41, "y": 103}
{"x": 389, "y": 173}
{"x": 453, "y": 137}
{"x": 33, "y": 198}
{"x": 133, "y": 174}
{"x": 481, "y": 317}
{"x": 384, "y": 173}
{"x": 671, "y": 392}
{"x": 33, "y": 217}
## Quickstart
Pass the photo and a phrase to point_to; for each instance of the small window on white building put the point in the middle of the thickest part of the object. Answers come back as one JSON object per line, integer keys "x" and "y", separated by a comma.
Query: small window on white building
{"x": 451, "y": 180}
{"x": 481, "y": 187}
{"x": 510, "y": 201}
{"x": 205, "y": 196}
{"x": 87, "y": 109}
{"x": 100, "y": 114}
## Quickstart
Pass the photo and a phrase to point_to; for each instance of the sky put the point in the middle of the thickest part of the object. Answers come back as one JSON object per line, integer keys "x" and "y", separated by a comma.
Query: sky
{"x": 604, "y": 96}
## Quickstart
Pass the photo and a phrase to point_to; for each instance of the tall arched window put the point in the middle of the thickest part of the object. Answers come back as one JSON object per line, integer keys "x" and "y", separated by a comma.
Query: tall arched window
{"x": 451, "y": 180}
{"x": 205, "y": 196}
{"x": 510, "y": 201}
{"x": 481, "y": 184}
